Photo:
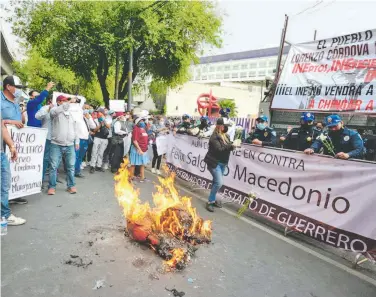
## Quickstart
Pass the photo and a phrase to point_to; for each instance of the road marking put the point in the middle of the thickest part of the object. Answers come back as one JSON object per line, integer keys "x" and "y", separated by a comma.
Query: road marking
{"x": 290, "y": 241}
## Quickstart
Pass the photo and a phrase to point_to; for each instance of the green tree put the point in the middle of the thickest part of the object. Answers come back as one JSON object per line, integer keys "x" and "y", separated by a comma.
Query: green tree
{"x": 228, "y": 103}
{"x": 38, "y": 71}
{"x": 86, "y": 37}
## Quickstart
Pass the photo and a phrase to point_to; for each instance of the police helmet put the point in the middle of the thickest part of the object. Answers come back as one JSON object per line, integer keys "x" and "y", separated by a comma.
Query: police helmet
{"x": 307, "y": 117}
{"x": 332, "y": 120}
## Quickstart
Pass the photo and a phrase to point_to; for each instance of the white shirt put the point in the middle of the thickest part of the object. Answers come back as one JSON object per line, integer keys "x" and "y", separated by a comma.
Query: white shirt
{"x": 117, "y": 128}
{"x": 43, "y": 115}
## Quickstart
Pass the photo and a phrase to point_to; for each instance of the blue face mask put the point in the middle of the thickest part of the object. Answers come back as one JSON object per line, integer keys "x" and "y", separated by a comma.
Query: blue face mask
{"x": 100, "y": 120}
{"x": 86, "y": 111}
{"x": 142, "y": 125}
{"x": 260, "y": 126}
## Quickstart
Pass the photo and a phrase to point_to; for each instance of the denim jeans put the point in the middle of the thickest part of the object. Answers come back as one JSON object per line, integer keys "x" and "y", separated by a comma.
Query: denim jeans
{"x": 5, "y": 186}
{"x": 217, "y": 174}
{"x": 56, "y": 152}
{"x": 80, "y": 154}
{"x": 46, "y": 157}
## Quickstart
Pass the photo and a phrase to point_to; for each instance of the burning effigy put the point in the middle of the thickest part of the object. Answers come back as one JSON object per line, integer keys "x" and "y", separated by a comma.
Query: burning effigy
{"x": 171, "y": 226}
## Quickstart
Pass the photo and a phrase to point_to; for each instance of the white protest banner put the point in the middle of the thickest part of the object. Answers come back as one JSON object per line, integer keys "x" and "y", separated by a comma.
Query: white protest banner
{"x": 117, "y": 105}
{"x": 162, "y": 144}
{"x": 328, "y": 199}
{"x": 26, "y": 171}
{"x": 334, "y": 74}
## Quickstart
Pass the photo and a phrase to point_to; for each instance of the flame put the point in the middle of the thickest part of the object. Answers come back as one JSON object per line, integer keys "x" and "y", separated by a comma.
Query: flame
{"x": 171, "y": 214}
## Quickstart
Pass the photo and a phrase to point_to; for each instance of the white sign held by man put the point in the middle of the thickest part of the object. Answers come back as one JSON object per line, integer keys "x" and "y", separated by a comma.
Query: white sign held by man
{"x": 26, "y": 171}
{"x": 162, "y": 144}
{"x": 330, "y": 75}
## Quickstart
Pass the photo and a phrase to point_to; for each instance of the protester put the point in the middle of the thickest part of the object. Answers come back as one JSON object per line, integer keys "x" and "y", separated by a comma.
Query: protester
{"x": 84, "y": 125}
{"x": 138, "y": 155}
{"x": 43, "y": 115}
{"x": 12, "y": 115}
{"x": 64, "y": 141}
{"x": 217, "y": 159}
{"x": 263, "y": 135}
{"x": 35, "y": 104}
{"x": 158, "y": 129}
{"x": 100, "y": 143}
{"x": 110, "y": 116}
{"x": 6, "y": 178}
{"x": 339, "y": 142}
{"x": 120, "y": 131}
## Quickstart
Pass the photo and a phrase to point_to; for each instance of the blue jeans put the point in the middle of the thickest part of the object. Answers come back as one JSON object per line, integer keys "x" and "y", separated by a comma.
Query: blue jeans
{"x": 46, "y": 157}
{"x": 217, "y": 174}
{"x": 56, "y": 152}
{"x": 80, "y": 154}
{"x": 5, "y": 186}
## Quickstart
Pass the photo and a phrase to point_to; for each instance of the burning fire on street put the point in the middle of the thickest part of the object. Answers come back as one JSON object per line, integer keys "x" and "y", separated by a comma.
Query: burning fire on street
{"x": 171, "y": 227}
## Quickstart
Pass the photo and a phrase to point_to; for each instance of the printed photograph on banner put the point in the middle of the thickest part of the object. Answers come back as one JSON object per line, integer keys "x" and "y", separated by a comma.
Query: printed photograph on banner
{"x": 315, "y": 195}
{"x": 336, "y": 74}
{"x": 26, "y": 171}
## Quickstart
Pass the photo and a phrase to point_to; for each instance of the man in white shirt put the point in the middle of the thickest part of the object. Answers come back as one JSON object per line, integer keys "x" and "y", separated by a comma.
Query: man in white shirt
{"x": 120, "y": 135}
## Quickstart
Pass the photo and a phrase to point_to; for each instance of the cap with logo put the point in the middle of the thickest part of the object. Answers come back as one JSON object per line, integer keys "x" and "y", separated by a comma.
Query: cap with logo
{"x": 262, "y": 118}
{"x": 332, "y": 120}
{"x": 13, "y": 81}
{"x": 307, "y": 116}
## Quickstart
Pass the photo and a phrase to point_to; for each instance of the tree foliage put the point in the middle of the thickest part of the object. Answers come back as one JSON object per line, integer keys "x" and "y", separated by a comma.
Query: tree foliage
{"x": 228, "y": 103}
{"x": 86, "y": 36}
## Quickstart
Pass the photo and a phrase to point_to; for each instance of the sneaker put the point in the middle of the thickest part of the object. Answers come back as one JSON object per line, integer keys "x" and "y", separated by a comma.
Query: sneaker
{"x": 100, "y": 169}
{"x": 79, "y": 175}
{"x": 105, "y": 166}
{"x": 153, "y": 170}
{"x": 72, "y": 190}
{"x": 82, "y": 167}
{"x": 210, "y": 206}
{"x": 159, "y": 172}
{"x": 83, "y": 164}
{"x": 92, "y": 169}
{"x": 14, "y": 221}
{"x": 51, "y": 191}
{"x": 18, "y": 201}
{"x": 218, "y": 204}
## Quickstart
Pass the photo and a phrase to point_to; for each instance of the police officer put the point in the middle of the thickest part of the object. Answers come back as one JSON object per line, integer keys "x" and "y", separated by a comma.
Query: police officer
{"x": 346, "y": 143}
{"x": 263, "y": 135}
{"x": 299, "y": 139}
{"x": 184, "y": 125}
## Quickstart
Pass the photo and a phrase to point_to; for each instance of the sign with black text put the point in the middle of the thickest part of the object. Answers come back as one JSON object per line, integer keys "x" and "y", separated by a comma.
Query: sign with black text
{"x": 328, "y": 199}
{"x": 26, "y": 171}
{"x": 332, "y": 75}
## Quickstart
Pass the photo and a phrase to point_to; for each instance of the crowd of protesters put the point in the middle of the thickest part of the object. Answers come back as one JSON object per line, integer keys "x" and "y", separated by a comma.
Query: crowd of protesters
{"x": 79, "y": 135}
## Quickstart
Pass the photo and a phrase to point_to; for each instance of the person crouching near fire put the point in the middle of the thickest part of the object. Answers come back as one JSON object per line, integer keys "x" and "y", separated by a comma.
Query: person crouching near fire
{"x": 217, "y": 159}
{"x": 340, "y": 142}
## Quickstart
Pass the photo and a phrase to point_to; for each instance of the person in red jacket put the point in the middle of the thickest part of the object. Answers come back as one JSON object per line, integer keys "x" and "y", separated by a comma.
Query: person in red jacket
{"x": 139, "y": 148}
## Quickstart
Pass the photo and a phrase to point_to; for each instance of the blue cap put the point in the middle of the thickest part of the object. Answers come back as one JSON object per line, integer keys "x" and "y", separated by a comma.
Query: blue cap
{"x": 185, "y": 116}
{"x": 307, "y": 116}
{"x": 262, "y": 118}
{"x": 204, "y": 118}
{"x": 332, "y": 120}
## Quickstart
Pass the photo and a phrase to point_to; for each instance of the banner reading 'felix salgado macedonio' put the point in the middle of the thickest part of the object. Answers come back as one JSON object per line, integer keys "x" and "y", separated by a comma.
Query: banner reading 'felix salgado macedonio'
{"x": 334, "y": 74}
{"x": 328, "y": 199}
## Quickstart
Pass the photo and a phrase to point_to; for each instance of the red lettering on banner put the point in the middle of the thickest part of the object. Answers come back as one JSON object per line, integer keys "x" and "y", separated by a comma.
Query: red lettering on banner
{"x": 311, "y": 104}
{"x": 371, "y": 75}
{"x": 321, "y": 104}
{"x": 369, "y": 105}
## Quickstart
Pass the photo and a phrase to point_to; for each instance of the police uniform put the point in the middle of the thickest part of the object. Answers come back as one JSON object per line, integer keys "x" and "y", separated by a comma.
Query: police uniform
{"x": 299, "y": 139}
{"x": 346, "y": 140}
{"x": 268, "y": 136}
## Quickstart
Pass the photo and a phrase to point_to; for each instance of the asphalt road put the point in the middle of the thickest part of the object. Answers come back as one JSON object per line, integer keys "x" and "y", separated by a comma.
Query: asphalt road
{"x": 241, "y": 261}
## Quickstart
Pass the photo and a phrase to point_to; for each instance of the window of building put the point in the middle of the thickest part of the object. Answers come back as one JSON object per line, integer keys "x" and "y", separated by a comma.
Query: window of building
{"x": 269, "y": 71}
{"x": 211, "y": 69}
{"x": 219, "y": 76}
{"x": 262, "y": 64}
{"x": 227, "y": 68}
{"x": 235, "y": 67}
{"x": 205, "y": 69}
{"x": 211, "y": 76}
{"x": 227, "y": 75}
{"x": 261, "y": 73}
{"x": 272, "y": 63}
{"x": 244, "y": 66}
{"x": 253, "y": 65}
{"x": 243, "y": 74}
{"x": 252, "y": 74}
{"x": 204, "y": 77}
{"x": 235, "y": 75}
{"x": 219, "y": 68}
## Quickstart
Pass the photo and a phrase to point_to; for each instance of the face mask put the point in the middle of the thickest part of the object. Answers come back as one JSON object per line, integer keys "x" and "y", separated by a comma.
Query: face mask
{"x": 142, "y": 125}
{"x": 260, "y": 126}
{"x": 334, "y": 133}
{"x": 161, "y": 122}
{"x": 225, "y": 129}
{"x": 86, "y": 111}
{"x": 17, "y": 93}
{"x": 100, "y": 120}
{"x": 91, "y": 111}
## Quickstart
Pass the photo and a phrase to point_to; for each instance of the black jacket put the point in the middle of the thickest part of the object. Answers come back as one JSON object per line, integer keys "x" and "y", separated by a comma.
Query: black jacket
{"x": 218, "y": 151}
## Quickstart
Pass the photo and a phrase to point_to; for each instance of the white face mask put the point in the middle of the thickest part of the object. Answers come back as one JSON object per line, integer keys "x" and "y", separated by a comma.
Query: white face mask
{"x": 18, "y": 93}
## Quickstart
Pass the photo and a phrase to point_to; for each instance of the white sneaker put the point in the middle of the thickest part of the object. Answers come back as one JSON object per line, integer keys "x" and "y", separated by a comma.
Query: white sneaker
{"x": 153, "y": 170}
{"x": 14, "y": 221}
{"x": 105, "y": 166}
{"x": 83, "y": 164}
{"x": 159, "y": 172}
